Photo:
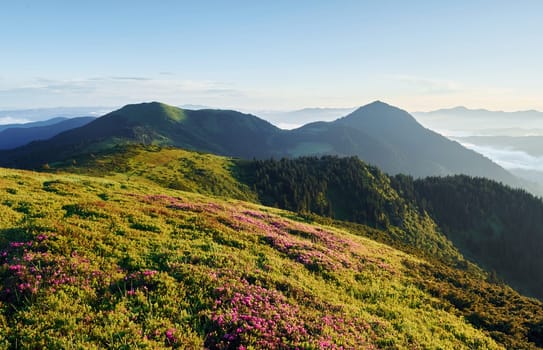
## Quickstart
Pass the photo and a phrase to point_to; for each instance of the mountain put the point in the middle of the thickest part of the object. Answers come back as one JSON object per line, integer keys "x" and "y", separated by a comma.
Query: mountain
{"x": 380, "y": 134}
{"x": 109, "y": 255}
{"x": 13, "y": 137}
{"x": 347, "y": 189}
{"x": 419, "y": 151}
{"x": 487, "y": 222}
{"x": 499, "y": 228}
{"x": 33, "y": 124}
{"x": 391, "y": 139}
{"x": 216, "y": 131}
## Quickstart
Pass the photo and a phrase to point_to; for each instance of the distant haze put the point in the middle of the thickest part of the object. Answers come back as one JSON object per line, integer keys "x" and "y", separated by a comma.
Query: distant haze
{"x": 297, "y": 118}
{"x": 37, "y": 114}
{"x": 461, "y": 121}
{"x": 514, "y": 140}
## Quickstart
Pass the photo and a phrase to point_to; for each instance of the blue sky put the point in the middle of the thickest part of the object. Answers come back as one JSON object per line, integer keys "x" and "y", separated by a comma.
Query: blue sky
{"x": 272, "y": 55}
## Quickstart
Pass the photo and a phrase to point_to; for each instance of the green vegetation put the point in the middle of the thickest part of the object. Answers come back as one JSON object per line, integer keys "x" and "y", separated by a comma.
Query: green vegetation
{"x": 498, "y": 227}
{"x": 172, "y": 168}
{"x": 105, "y": 252}
{"x": 347, "y": 189}
{"x": 216, "y": 131}
{"x": 151, "y": 267}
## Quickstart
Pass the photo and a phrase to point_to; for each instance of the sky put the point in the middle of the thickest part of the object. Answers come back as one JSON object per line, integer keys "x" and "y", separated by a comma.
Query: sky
{"x": 272, "y": 55}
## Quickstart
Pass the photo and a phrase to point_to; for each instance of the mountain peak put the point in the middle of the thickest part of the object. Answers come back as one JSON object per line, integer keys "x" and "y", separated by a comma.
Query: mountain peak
{"x": 149, "y": 112}
{"x": 378, "y": 112}
{"x": 378, "y": 103}
{"x": 377, "y": 107}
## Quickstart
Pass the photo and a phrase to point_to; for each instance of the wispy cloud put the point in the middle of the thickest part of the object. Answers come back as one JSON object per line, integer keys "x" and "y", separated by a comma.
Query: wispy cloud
{"x": 117, "y": 90}
{"x": 131, "y": 78}
{"x": 429, "y": 86}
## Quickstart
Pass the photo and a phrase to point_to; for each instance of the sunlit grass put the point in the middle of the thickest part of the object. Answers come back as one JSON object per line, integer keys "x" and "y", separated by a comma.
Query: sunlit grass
{"x": 131, "y": 264}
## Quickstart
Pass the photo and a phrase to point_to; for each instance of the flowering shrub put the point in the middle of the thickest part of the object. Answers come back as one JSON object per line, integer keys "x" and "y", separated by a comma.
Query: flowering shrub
{"x": 316, "y": 249}
{"x": 249, "y": 314}
{"x": 245, "y": 315}
{"x": 143, "y": 280}
{"x": 28, "y": 267}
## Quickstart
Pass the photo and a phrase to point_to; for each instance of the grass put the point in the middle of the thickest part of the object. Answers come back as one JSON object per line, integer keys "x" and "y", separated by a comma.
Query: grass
{"x": 121, "y": 259}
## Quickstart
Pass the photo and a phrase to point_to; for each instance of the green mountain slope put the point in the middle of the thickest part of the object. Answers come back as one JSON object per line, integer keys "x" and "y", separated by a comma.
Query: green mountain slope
{"x": 350, "y": 190}
{"x": 171, "y": 168}
{"x": 498, "y": 227}
{"x": 345, "y": 189}
{"x": 103, "y": 263}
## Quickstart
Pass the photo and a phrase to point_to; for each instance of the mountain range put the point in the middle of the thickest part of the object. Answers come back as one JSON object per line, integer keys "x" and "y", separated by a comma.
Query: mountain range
{"x": 27, "y": 116}
{"x": 12, "y": 136}
{"x": 378, "y": 133}
{"x": 33, "y": 124}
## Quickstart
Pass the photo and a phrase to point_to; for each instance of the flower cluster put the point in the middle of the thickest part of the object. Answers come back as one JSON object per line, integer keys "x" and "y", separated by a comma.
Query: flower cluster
{"x": 29, "y": 267}
{"x": 250, "y": 314}
{"x": 139, "y": 280}
{"x": 246, "y": 315}
{"x": 316, "y": 249}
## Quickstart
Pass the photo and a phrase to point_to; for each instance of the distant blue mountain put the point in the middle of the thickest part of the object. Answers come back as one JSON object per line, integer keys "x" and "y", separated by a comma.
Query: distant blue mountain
{"x": 15, "y": 135}
{"x": 33, "y": 124}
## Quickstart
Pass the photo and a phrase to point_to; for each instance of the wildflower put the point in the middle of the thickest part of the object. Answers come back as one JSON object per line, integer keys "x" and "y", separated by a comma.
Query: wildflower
{"x": 170, "y": 335}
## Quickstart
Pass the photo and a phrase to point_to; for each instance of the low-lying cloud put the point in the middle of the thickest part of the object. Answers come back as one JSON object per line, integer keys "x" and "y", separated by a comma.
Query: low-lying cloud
{"x": 12, "y": 120}
{"x": 509, "y": 158}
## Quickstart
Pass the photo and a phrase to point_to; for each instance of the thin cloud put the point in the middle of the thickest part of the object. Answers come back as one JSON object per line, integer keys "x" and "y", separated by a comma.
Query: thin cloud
{"x": 118, "y": 90}
{"x": 131, "y": 78}
{"x": 429, "y": 86}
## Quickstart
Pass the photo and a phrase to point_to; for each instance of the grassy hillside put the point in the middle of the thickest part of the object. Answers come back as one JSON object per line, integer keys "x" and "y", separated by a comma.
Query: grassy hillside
{"x": 89, "y": 262}
{"x": 345, "y": 189}
{"x": 496, "y": 227}
{"x": 171, "y": 168}
{"x": 120, "y": 259}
